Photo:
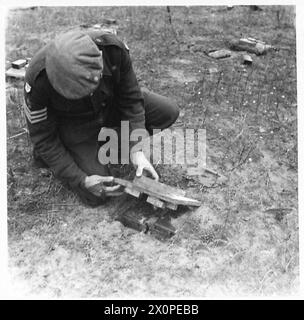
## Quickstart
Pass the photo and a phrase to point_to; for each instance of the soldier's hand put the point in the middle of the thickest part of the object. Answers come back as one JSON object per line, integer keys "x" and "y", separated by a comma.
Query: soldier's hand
{"x": 99, "y": 185}
{"x": 142, "y": 163}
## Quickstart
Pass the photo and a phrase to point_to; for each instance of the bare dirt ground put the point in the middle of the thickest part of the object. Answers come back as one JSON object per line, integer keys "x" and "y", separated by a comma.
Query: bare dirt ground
{"x": 243, "y": 240}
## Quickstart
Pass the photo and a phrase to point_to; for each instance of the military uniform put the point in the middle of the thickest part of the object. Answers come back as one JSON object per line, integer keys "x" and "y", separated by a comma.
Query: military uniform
{"x": 64, "y": 131}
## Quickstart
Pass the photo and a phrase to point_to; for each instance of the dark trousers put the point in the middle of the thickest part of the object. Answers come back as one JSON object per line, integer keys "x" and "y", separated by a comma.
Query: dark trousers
{"x": 160, "y": 113}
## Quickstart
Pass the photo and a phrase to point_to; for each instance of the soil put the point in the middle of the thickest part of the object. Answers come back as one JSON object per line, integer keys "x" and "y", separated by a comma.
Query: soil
{"x": 233, "y": 245}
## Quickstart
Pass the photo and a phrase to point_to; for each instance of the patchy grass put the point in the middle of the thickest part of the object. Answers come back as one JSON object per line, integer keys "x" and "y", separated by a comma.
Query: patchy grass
{"x": 233, "y": 244}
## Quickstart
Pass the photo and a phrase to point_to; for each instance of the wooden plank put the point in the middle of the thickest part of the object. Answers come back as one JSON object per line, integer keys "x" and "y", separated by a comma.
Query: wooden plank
{"x": 128, "y": 187}
{"x": 156, "y": 202}
{"x": 123, "y": 182}
{"x": 157, "y": 186}
{"x": 163, "y": 192}
{"x": 132, "y": 192}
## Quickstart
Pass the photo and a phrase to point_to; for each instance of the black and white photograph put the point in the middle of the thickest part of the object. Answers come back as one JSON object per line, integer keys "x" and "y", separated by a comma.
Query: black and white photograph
{"x": 151, "y": 151}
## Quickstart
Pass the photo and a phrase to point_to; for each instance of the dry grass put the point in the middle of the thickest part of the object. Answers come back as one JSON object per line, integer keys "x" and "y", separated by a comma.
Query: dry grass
{"x": 231, "y": 245}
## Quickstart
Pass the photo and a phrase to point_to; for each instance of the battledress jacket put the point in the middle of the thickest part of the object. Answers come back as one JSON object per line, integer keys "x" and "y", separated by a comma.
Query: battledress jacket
{"x": 55, "y": 122}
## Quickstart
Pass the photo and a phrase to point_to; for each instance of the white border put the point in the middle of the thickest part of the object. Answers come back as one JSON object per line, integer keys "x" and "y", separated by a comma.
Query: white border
{"x": 5, "y": 292}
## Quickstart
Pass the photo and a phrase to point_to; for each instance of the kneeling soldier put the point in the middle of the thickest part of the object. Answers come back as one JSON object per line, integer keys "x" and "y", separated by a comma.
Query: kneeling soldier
{"x": 74, "y": 86}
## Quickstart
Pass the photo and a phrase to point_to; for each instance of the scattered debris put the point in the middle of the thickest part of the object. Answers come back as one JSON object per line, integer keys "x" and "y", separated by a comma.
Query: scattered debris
{"x": 131, "y": 220}
{"x": 18, "y": 68}
{"x": 158, "y": 225}
{"x": 251, "y": 45}
{"x": 247, "y": 59}
{"x": 219, "y": 54}
{"x": 18, "y": 64}
{"x": 213, "y": 172}
{"x": 15, "y": 73}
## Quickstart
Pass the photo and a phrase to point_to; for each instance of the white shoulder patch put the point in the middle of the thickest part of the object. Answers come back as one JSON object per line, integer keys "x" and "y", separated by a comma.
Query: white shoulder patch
{"x": 35, "y": 116}
{"x": 27, "y": 88}
{"x": 126, "y": 46}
